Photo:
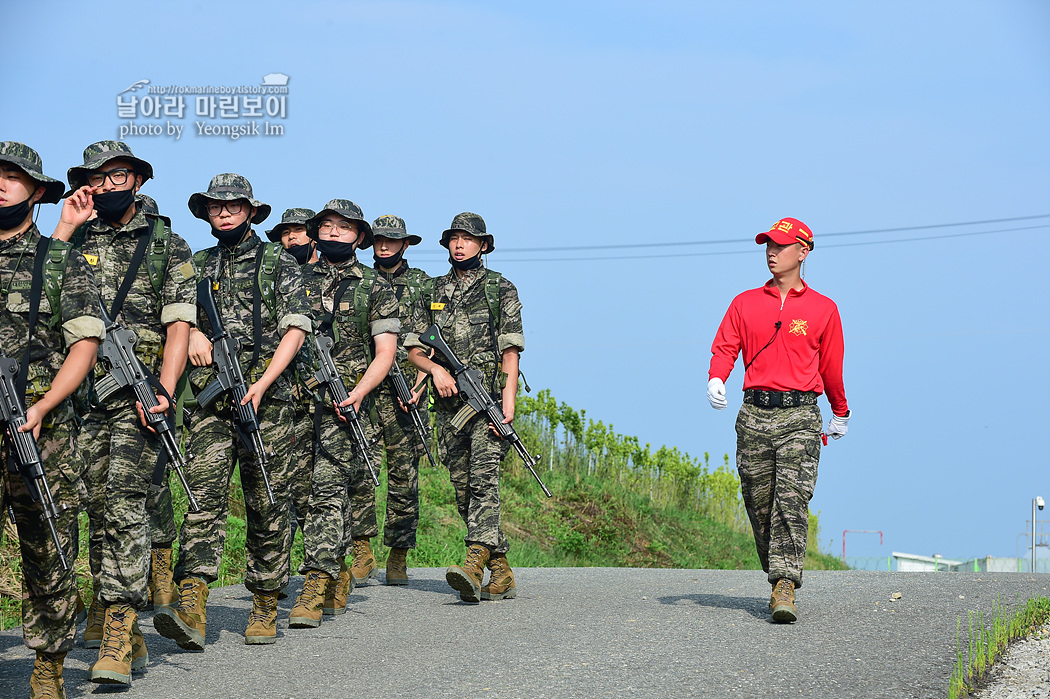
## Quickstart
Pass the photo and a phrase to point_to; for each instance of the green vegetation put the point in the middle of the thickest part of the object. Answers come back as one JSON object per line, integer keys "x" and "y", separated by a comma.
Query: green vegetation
{"x": 985, "y": 644}
{"x": 616, "y": 503}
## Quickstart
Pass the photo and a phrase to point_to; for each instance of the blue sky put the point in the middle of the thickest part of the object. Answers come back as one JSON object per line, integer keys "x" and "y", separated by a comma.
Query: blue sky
{"x": 592, "y": 124}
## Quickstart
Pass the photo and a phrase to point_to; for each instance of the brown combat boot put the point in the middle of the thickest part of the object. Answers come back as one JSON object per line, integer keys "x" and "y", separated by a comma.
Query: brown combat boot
{"x": 466, "y": 579}
{"x": 46, "y": 680}
{"x": 184, "y": 623}
{"x": 397, "y": 567}
{"x": 95, "y": 618}
{"x": 114, "y": 656}
{"x": 501, "y": 581}
{"x": 782, "y": 602}
{"x": 306, "y": 614}
{"x": 162, "y": 579}
{"x": 338, "y": 593}
{"x": 262, "y": 620}
{"x": 364, "y": 566}
{"x": 139, "y": 654}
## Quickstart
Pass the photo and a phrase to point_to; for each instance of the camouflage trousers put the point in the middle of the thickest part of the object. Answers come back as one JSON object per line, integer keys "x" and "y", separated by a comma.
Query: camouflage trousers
{"x": 48, "y": 592}
{"x": 397, "y": 438}
{"x": 777, "y": 451}
{"x": 330, "y": 522}
{"x": 473, "y": 456}
{"x": 120, "y": 455}
{"x": 161, "y": 515}
{"x": 216, "y": 449}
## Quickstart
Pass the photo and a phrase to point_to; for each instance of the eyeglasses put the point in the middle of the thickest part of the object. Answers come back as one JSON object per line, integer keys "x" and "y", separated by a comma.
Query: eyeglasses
{"x": 234, "y": 207}
{"x": 343, "y": 226}
{"x": 118, "y": 177}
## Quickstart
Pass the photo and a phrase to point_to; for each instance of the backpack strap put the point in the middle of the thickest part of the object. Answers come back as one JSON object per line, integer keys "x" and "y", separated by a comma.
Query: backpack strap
{"x": 492, "y": 284}
{"x": 54, "y": 272}
{"x": 266, "y": 274}
{"x": 35, "y": 288}
{"x": 362, "y": 295}
{"x": 157, "y": 256}
{"x": 200, "y": 259}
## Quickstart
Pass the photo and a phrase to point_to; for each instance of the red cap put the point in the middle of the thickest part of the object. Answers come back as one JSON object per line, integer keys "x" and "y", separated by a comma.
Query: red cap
{"x": 787, "y": 231}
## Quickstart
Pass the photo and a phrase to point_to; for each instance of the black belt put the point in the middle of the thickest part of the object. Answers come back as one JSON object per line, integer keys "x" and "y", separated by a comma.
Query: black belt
{"x": 779, "y": 399}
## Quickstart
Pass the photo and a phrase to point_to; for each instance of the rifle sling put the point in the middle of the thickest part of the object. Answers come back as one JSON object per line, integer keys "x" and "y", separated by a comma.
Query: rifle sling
{"x": 129, "y": 276}
{"x": 35, "y": 289}
{"x": 256, "y": 310}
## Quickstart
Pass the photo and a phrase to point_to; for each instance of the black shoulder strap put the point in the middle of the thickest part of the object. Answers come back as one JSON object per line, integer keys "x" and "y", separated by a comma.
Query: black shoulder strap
{"x": 129, "y": 276}
{"x": 256, "y": 309}
{"x": 329, "y": 318}
{"x": 35, "y": 289}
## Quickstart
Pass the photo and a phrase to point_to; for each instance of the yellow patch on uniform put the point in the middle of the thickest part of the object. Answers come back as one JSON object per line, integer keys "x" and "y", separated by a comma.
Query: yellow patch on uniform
{"x": 91, "y": 259}
{"x": 344, "y": 306}
{"x": 437, "y": 306}
{"x": 215, "y": 286}
{"x": 799, "y": 327}
{"x": 187, "y": 271}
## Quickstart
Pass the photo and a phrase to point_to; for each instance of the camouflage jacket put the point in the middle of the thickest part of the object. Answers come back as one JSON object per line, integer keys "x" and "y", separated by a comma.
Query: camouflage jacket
{"x": 352, "y": 351}
{"x": 78, "y": 317}
{"x": 234, "y": 274}
{"x": 412, "y": 286}
{"x": 461, "y": 310}
{"x": 109, "y": 251}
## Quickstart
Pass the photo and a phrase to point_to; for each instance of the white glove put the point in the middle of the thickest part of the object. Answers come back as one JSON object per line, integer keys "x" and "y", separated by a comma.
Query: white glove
{"x": 837, "y": 427}
{"x": 716, "y": 394}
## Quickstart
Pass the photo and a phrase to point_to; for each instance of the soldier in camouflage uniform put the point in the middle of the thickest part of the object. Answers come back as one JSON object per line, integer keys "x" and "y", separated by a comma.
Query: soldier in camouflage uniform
{"x": 49, "y": 602}
{"x": 137, "y": 258}
{"x": 399, "y": 440}
{"x": 159, "y": 506}
{"x": 291, "y": 234}
{"x": 479, "y": 314}
{"x": 359, "y": 310}
{"x": 249, "y": 277}
{"x": 791, "y": 339}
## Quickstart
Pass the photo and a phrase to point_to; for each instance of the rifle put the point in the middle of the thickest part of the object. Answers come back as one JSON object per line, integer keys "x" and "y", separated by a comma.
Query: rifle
{"x": 471, "y": 386}
{"x": 230, "y": 379}
{"x": 404, "y": 394}
{"x": 125, "y": 369}
{"x": 24, "y": 458}
{"x": 328, "y": 375}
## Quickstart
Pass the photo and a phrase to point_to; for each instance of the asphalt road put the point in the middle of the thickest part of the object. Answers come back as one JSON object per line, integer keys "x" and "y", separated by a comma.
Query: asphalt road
{"x": 580, "y": 632}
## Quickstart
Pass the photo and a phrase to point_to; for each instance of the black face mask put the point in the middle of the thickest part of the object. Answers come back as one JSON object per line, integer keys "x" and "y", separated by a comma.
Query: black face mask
{"x": 467, "y": 264}
{"x": 301, "y": 253}
{"x": 388, "y": 262}
{"x": 335, "y": 251}
{"x": 111, "y": 206}
{"x": 11, "y": 216}
{"x": 231, "y": 237}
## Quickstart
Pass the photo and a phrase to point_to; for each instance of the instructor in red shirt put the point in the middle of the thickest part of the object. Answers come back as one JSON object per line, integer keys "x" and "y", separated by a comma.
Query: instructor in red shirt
{"x": 791, "y": 340}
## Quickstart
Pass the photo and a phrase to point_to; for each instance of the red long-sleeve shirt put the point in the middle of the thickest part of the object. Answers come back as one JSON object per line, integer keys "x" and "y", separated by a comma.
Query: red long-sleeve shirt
{"x": 806, "y": 354}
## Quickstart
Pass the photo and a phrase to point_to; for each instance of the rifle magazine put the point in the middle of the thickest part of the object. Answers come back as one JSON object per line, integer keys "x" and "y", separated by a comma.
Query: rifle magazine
{"x": 463, "y": 416}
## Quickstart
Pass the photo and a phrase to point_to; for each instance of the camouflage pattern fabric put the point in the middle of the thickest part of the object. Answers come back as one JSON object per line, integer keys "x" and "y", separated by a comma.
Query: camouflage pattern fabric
{"x": 461, "y": 310}
{"x": 234, "y": 273}
{"x": 777, "y": 451}
{"x": 213, "y": 439}
{"x": 227, "y": 186}
{"x": 338, "y": 468}
{"x": 49, "y": 599}
{"x": 473, "y": 455}
{"x": 329, "y": 524}
{"x": 161, "y": 513}
{"x": 48, "y": 592}
{"x": 120, "y": 456}
{"x": 217, "y": 449}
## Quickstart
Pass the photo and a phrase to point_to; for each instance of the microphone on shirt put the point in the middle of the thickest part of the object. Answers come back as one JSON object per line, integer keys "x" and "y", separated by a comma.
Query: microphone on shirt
{"x": 777, "y": 324}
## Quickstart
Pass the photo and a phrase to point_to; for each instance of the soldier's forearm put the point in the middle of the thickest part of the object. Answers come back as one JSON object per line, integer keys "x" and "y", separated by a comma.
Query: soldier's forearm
{"x": 79, "y": 361}
{"x": 286, "y": 351}
{"x": 176, "y": 350}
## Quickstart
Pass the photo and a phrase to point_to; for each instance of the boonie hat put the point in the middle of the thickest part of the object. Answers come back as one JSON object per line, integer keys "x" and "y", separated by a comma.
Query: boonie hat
{"x": 27, "y": 159}
{"x": 787, "y": 231}
{"x": 290, "y": 217}
{"x": 393, "y": 227}
{"x": 468, "y": 223}
{"x": 228, "y": 186}
{"x": 98, "y": 154}
{"x": 348, "y": 210}
{"x": 149, "y": 206}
